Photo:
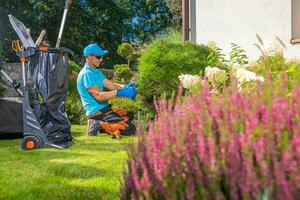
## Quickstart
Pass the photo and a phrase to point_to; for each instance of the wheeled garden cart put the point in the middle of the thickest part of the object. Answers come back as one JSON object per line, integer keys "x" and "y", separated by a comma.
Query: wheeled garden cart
{"x": 40, "y": 112}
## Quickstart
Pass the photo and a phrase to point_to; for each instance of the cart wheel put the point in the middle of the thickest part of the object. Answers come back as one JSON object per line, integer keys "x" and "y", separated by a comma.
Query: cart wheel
{"x": 31, "y": 142}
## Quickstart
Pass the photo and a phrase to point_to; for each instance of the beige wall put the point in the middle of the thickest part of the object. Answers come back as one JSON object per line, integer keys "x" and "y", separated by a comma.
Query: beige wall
{"x": 238, "y": 21}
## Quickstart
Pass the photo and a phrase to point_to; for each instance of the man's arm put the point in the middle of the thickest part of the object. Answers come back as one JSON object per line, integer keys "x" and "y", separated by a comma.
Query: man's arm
{"x": 111, "y": 85}
{"x": 102, "y": 96}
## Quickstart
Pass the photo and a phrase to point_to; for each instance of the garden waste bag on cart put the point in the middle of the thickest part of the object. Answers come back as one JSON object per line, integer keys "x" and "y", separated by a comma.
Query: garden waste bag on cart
{"x": 47, "y": 75}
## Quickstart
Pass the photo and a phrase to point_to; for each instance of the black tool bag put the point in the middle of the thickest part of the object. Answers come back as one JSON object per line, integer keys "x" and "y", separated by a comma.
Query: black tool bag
{"x": 47, "y": 76}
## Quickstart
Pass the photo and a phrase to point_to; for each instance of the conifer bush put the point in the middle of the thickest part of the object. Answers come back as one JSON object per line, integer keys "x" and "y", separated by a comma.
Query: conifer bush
{"x": 164, "y": 60}
{"x": 122, "y": 73}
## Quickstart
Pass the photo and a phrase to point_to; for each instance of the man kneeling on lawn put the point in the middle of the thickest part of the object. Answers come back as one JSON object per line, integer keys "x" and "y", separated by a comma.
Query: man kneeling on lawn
{"x": 90, "y": 85}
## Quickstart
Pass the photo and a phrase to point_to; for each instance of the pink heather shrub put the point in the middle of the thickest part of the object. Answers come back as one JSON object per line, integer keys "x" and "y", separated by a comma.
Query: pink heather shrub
{"x": 232, "y": 146}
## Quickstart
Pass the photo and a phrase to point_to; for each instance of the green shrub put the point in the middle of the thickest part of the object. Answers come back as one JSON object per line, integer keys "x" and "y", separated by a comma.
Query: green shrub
{"x": 74, "y": 67}
{"x": 142, "y": 112}
{"x": 217, "y": 56}
{"x": 123, "y": 74}
{"x": 164, "y": 60}
{"x": 277, "y": 65}
{"x": 238, "y": 55}
{"x": 125, "y": 49}
{"x": 272, "y": 59}
{"x": 128, "y": 52}
{"x": 75, "y": 111}
{"x": 127, "y": 104}
{"x": 274, "y": 63}
{"x": 134, "y": 60}
{"x": 293, "y": 73}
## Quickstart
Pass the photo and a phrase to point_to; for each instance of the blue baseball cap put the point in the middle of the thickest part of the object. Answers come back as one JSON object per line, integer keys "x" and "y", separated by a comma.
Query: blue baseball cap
{"x": 94, "y": 49}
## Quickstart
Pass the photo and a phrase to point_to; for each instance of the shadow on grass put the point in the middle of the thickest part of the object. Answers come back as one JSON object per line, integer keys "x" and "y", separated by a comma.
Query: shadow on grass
{"x": 77, "y": 133}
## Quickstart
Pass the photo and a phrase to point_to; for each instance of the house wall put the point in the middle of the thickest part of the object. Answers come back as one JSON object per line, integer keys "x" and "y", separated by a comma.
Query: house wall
{"x": 239, "y": 21}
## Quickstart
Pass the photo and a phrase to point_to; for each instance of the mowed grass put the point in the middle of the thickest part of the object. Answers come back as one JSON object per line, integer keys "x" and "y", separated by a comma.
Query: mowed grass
{"x": 90, "y": 169}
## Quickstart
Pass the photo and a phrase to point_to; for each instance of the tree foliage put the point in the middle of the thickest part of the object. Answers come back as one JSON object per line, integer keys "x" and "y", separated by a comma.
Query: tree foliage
{"x": 128, "y": 52}
{"x": 100, "y": 21}
{"x": 107, "y": 22}
{"x": 175, "y": 8}
{"x": 125, "y": 49}
{"x": 151, "y": 18}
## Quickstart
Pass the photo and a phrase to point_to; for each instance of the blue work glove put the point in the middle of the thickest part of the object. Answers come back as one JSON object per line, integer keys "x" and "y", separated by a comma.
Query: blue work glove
{"x": 128, "y": 92}
{"x": 132, "y": 84}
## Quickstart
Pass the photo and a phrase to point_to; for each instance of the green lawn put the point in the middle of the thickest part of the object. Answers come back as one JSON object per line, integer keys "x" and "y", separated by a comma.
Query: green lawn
{"x": 90, "y": 169}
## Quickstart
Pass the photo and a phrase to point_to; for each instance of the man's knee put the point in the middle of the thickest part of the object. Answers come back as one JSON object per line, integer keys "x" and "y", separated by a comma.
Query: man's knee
{"x": 93, "y": 127}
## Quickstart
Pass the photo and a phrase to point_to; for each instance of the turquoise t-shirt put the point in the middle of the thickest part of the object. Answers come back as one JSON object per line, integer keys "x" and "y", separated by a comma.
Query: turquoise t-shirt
{"x": 89, "y": 77}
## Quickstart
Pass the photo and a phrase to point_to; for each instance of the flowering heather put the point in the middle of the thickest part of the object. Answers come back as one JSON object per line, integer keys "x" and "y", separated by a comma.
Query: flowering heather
{"x": 229, "y": 146}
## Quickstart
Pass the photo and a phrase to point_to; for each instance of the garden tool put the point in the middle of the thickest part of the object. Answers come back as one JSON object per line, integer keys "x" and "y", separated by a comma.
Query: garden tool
{"x": 16, "y": 45}
{"x": 22, "y": 32}
{"x": 67, "y": 5}
{"x": 40, "y": 38}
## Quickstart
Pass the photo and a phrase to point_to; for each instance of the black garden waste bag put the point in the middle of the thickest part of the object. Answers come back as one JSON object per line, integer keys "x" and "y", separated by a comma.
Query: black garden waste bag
{"x": 47, "y": 76}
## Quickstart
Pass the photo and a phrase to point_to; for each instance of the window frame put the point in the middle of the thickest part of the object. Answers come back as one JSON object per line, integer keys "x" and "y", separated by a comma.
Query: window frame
{"x": 295, "y": 21}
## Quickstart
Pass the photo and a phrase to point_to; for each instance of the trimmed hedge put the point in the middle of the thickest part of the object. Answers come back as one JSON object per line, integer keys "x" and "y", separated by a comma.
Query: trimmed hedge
{"x": 122, "y": 74}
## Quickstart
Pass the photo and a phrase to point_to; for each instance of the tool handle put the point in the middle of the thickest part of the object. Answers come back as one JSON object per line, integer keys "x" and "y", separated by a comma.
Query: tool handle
{"x": 40, "y": 38}
{"x": 67, "y": 5}
{"x": 16, "y": 45}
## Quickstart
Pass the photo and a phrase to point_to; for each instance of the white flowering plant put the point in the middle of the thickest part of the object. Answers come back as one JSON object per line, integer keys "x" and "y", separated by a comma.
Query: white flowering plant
{"x": 189, "y": 81}
{"x": 216, "y": 77}
{"x": 246, "y": 78}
